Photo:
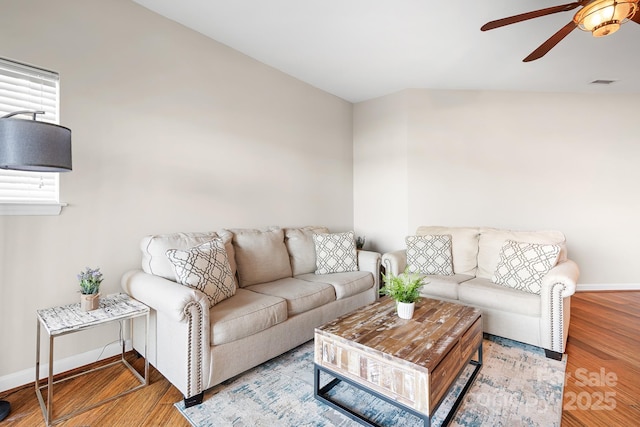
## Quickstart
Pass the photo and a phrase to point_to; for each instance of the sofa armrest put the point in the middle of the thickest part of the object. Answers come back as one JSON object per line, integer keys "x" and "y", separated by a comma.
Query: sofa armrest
{"x": 395, "y": 262}
{"x": 564, "y": 274}
{"x": 162, "y": 294}
{"x": 555, "y": 298}
{"x": 180, "y": 342}
{"x": 370, "y": 261}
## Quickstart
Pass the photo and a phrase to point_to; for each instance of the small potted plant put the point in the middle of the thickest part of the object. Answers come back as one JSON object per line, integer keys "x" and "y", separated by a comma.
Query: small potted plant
{"x": 90, "y": 280}
{"x": 405, "y": 290}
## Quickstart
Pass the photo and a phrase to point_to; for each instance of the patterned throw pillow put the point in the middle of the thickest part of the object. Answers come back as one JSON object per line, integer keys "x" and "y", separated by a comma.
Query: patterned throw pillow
{"x": 429, "y": 254}
{"x": 205, "y": 268}
{"x": 335, "y": 252}
{"x": 523, "y": 265}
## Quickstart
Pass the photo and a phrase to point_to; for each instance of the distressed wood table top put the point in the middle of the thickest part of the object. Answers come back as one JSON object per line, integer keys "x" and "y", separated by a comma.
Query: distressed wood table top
{"x": 423, "y": 341}
{"x": 66, "y": 318}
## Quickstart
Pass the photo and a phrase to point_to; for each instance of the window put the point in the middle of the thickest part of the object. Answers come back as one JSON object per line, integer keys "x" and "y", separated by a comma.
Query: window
{"x": 23, "y": 87}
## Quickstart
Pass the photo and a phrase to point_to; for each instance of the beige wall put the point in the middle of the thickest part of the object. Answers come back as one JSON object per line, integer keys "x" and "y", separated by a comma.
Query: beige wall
{"x": 380, "y": 170}
{"x": 171, "y": 132}
{"x": 513, "y": 160}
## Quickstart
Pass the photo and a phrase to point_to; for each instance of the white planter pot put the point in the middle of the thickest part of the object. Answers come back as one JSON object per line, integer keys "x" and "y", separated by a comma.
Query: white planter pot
{"x": 405, "y": 309}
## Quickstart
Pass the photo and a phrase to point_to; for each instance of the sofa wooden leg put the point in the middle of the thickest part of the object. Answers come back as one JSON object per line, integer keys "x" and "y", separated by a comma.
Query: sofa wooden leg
{"x": 552, "y": 354}
{"x": 194, "y": 400}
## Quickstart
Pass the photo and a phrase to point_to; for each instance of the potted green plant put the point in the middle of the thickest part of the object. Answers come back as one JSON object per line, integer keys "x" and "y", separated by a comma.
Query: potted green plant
{"x": 405, "y": 290}
{"x": 90, "y": 280}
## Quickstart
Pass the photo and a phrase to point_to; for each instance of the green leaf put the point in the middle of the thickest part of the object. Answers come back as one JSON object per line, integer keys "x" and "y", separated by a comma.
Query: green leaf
{"x": 404, "y": 287}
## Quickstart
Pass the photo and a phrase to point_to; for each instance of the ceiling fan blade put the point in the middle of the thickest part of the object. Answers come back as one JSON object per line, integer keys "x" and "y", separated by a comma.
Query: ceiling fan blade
{"x": 530, "y": 15}
{"x": 551, "y": 42}
{"x": 636, "y": 17}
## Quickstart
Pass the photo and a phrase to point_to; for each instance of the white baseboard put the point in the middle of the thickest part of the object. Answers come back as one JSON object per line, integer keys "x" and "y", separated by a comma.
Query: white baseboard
{"x": 590, "y": 287}
{"x": 27, "y": 376}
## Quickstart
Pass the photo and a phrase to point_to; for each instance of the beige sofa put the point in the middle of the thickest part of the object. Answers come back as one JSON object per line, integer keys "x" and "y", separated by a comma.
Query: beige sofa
{"x": 278, "y": 302}
{"x": 540, "y": 319}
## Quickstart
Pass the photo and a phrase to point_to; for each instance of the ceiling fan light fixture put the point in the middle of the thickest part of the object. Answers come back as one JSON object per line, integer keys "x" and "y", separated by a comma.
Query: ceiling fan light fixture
{"x": 604, "y": 17}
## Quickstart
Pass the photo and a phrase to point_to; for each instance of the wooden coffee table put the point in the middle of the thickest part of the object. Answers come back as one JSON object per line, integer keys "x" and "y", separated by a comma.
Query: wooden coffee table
{"x": 411, "y": 364}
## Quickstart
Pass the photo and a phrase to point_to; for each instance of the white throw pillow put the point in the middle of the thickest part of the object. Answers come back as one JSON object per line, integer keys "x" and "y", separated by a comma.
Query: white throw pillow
{"x": 430, "y": 254}
{"x": 523, "y": 265}
{"x": 205, "y": 268}
{"x": 464, "y": 246}
{"x": 335, "y": 252}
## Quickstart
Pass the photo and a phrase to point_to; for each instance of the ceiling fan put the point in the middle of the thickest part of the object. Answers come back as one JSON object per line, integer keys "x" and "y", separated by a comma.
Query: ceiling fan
{"x": 601, "y": 17}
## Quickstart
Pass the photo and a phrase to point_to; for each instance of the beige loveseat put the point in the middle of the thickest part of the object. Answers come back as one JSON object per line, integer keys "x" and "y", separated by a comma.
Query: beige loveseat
{"x": 278, "y": 302}
{"x": 538, "y": 316}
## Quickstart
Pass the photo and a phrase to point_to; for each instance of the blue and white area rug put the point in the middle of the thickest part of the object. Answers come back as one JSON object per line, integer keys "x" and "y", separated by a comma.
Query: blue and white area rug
{"x": 517, "y": 386}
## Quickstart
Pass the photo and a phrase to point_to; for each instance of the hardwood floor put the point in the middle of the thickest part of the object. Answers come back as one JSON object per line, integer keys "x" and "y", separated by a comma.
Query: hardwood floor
{"x": 149, "y": 406}
{"x": 602, "y": 386}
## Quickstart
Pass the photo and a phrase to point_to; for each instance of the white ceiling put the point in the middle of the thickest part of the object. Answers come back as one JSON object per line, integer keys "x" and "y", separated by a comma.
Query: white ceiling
{"x": 362, "y": 49}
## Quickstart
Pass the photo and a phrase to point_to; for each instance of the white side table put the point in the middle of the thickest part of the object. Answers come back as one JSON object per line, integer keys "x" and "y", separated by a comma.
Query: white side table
{"x": 66, "y": 319}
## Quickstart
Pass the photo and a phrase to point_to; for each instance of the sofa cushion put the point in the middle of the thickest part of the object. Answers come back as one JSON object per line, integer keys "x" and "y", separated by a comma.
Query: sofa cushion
{"x": 154, "y": 250}
{"x": 491, "y": 241}
{"x": 523, "y": 265}
{"x": 443, "y": 286}
{"x": 302, "y": 250}
{"x": 464, "y": 246}
{"x": 429, "y": 254}
{"x": 205, "y": 268}
{"x": 227, "y": 239}
{"x": 345, "y": 284}
{"x": 300, "y": 295}
{"x": 335, "y": 253}
{"x": 484, "y": 293}
{"x": 245, "y": 314}
{"x": 261, "y": 255}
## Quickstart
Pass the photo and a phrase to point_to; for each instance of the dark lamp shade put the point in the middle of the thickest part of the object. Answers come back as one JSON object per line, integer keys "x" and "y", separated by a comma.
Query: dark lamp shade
{"x": 29, "y": 145}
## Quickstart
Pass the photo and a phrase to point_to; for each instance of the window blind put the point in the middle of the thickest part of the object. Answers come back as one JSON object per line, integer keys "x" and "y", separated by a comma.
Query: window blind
{"x": 24, "y": 87}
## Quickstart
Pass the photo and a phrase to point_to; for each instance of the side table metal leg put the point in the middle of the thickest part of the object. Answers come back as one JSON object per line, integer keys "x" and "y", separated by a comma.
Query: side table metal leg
{"x": 38, "y": 393}
{"x": 37, "y": 354}
{"x": 146, "y": 349}
{"x": 50, "y": 384}
{"x": 122, "y": 336}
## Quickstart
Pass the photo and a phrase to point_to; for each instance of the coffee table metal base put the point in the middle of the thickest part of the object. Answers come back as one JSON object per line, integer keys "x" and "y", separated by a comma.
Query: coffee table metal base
{"x": 322, "y": 394}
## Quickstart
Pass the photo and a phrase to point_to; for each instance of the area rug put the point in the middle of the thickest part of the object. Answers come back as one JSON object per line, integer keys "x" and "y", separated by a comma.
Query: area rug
{"x": 517, "y": 386}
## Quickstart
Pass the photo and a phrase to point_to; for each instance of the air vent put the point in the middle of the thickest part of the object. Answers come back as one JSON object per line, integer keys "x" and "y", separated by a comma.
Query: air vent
{"x": 602, "y": 82}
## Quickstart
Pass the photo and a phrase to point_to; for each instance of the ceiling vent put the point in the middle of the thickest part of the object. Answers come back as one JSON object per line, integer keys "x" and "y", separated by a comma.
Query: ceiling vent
{"x": 602, "y": 82}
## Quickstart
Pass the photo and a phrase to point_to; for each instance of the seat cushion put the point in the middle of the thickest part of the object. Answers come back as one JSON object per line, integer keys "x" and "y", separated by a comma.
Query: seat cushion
{"x": 302, "y": 250}
{"x": 345, "y": 284}
{"x": 300, "y": 295}
{"x": 443, "y": 286}
{"x": 244, "y": 314}
{"x": 261, "y": 255}
{"x": 484, "y": 293}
